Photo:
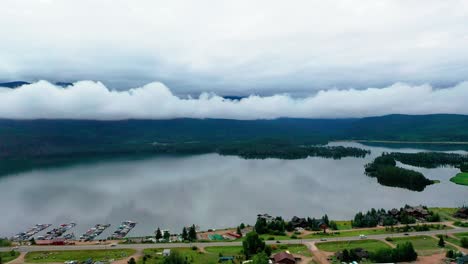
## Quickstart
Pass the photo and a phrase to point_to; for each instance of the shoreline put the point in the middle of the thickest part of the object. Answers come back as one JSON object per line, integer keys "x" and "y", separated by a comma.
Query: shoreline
{"x": 407, "y": 142}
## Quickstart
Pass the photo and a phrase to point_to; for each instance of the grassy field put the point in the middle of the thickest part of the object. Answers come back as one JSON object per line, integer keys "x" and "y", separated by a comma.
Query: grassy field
{"x": 368, "y": 244}
{"x": 460, "y": 235}
{"x": 424, "y": 245}
{"x": 446, "y": 213}
{"x": 154, "y": 256}
{"x": 237, "y": 250}
{"x": 9, "y": 256}
{"x": 273, "y": 237}
{"x": 79, "y": 255}
{"x": 461, "y": 178}
{"x": 453, "y": 240}
{"x": 343, "y": 224}
{"x": 225, "y": 251}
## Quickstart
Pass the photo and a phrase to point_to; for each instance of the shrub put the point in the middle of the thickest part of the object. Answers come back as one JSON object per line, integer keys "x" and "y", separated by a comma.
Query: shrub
{"x": 389, "y": 239}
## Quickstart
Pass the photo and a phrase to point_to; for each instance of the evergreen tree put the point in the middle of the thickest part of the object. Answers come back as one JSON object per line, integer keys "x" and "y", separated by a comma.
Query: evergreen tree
{"x": 238, "y": 231}
{"x": 192, "y": 234}
{"x": 345, "y": 256}
{"x": 166, "y": 236}
{"x": 184, "y": 234}
{"x": 260, "y": 258}
{"x": 131, "y": 261}
{"x": 441, "y": 241}
{"x": 158, "y": 234}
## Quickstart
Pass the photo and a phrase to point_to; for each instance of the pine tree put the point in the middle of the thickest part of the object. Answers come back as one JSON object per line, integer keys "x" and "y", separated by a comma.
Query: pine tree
{"x": 441, "y": 241}
{"x": 158, "y": 234}
{"x": 238, "y": 231}
{"x": 192, "y": 233}
{"x": 166, "y": 236}
{"x": 184, "y": 234}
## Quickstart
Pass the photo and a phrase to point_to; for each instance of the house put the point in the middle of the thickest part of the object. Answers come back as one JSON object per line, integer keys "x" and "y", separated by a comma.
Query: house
{"x": 284, "y": 258}
{"x": 299, "y": 222}
{"x": 166, "y": 252}
{"x": 268, "y": 218}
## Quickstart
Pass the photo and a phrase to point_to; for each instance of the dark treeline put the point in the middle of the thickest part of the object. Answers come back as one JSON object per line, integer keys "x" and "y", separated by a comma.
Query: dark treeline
{"x": 387, "y": 173}
{"x": 263, "y": 149}
{"x": 403, "y": 252}
{"x": 405, "y": 215}
{"x": 431, "y": 159}
{"x": 278, "y": 226}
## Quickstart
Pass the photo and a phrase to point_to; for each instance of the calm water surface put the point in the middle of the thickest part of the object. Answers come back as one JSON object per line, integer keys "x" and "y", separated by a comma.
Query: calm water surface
{"x": 209, "y": 190}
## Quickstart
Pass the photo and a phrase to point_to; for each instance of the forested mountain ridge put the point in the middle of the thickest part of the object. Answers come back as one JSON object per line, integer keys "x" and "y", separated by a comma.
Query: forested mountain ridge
{"x": 62, "y": 137}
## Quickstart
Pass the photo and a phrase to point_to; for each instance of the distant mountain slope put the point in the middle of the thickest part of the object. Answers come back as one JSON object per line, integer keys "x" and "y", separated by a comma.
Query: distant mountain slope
{"x": 439, "y": 127}
{"x": 62, "y": 137}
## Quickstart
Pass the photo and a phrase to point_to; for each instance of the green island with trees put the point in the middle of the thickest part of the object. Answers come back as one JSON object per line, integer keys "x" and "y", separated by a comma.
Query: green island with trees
{"x": 433, "y": 160}
{"x": 387, "y": 173}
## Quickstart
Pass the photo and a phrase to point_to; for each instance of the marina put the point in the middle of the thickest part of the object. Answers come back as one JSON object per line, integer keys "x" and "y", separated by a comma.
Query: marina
{"x": 93, "y": 232}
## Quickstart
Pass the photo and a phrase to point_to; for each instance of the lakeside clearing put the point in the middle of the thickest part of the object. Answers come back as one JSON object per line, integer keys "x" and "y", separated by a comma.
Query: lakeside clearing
{"x": 461, "y": 178}
{"x": 367, "y": 244}
{"x": 8, "y": 256}
{"x": 424, "y": 245}
{"x": 78, "y": 255}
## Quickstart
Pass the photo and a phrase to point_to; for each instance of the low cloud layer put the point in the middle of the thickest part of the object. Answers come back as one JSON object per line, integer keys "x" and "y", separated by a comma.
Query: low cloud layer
{"x": 236, "y": 47}
{"x": 93, "y": 100}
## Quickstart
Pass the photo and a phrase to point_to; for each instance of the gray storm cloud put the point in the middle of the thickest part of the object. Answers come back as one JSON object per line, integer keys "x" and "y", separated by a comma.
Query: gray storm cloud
{"x": 93, "y": 100}
{"x": 236, "y": 47}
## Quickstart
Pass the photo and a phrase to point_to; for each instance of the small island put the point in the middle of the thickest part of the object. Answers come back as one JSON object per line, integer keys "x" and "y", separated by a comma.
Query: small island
{"x": 387, "y": 173}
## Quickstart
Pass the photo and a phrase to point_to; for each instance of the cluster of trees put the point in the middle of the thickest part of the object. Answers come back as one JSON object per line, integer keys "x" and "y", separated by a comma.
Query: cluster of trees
{"x": 402, "y": 253}
{"x": 261, "y": 149}
{"x": 387, "y": 173}
{"x": 276, "y": 226}
{"x": 162, "y": 235}
{"x": 431, "y": 159}
{"x": 190, "y": 235}
{"x": 464, "y": 242}
{"x": 253, "y": 245}
{"x": 375, "y": 217}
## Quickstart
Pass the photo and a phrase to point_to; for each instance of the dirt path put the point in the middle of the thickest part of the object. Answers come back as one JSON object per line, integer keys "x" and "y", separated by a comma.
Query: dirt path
{"x": 19, "y": 259}
{"x": 432, "y": 259}
{"x": 319, "y": 256}
{"x": 388, "y": 243}
{"x": 136, "y": 256}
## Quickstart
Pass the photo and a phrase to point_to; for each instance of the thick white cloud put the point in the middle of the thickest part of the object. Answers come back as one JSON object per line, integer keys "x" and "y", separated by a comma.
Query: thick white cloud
{"x": 236, "y": 47}
{"x": 92, "y": 100}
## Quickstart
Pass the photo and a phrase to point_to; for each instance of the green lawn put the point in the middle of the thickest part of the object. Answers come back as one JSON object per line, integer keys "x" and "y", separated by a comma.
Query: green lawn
{"x": 344, "y": 224}
{"x": 368, "y": 244}
{"x": 460, "y": 235}
{"x": 194, "y": 256}
{"x": 446, "y": 213}
{"x": 79, "y": 255}
{"x": 225, "y": 251}
{"x": 273, "y": 237}
{"x": 453, "y": 240}
{"x": 348, "y": 233}
{"x": 237, "y": 250}
{"x": 461, "y": 178}
{"x": 9, "y": 256}
{"x": 424, "y": 245}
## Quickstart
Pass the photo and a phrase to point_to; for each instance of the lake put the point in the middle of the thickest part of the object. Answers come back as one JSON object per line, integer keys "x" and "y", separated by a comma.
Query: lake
{"x": 209, "y": 190}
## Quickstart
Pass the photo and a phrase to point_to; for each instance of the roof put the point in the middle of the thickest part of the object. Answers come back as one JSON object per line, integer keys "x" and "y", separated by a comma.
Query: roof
{"x": 282, "y": 256}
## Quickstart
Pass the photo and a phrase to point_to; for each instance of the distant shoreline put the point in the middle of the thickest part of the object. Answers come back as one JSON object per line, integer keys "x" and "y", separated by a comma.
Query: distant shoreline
{"x": 411, "y": 142}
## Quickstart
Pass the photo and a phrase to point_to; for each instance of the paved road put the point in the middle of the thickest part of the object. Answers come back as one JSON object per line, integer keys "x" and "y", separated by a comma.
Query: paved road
{"x": 222, "y": 244}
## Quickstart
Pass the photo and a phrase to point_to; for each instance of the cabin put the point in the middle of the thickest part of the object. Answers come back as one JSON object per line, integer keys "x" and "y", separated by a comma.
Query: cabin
{"x": 284, "y": 258}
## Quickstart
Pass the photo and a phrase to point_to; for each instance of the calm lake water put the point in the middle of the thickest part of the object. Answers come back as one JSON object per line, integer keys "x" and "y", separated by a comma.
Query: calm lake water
{"x": 210, "y": 190}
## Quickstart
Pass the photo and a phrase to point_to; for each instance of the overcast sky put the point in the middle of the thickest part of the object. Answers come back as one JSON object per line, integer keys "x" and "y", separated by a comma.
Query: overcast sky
{"x": 237, "y": 47}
